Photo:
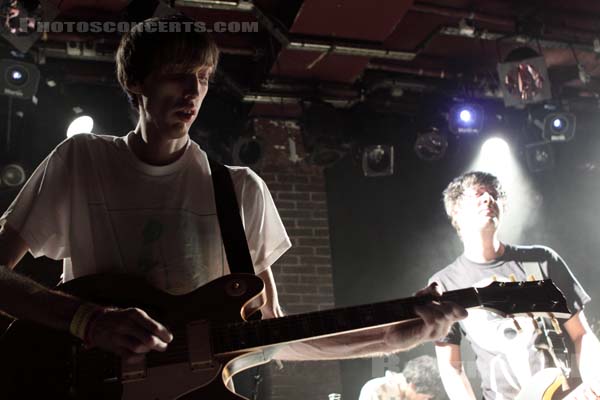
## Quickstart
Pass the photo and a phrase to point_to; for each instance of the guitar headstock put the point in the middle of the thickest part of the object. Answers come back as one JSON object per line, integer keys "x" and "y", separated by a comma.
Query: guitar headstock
{"x": 535, "y": 297}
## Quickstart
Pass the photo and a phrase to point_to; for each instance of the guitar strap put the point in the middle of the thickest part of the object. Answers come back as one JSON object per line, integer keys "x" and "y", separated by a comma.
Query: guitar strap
{"x": 230, "y": 221}
{"x": 235, "y": 243}
{"x": 550, "y": 338}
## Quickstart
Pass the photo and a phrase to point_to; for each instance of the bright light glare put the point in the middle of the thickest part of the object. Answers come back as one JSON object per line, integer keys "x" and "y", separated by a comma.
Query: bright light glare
{"x": 83, "y": 124}
{"x": 495, "y": 157}
{"x": 465, "y": 116}
{"x": 558, "y": 123}
{"x": 495, "y": 148}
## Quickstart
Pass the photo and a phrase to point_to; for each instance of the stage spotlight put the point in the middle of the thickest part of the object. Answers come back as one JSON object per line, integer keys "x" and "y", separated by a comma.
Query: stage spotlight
{"x": 524, "y": 78}
{"x": 248, "y": 150}
{"x": 19, "y": 79}
{"x": 12, "y": 175}
{"x": 81, "y": 124}
{"x": 559, "y": 127}
{"x": 540, "y": 156}
{"x": 378, "y": 160}
{"x": 466, "y": 119}
{"x": 496, "y": 157}
{"x": 431, "y": 145}
{"x": 495, "y": 149}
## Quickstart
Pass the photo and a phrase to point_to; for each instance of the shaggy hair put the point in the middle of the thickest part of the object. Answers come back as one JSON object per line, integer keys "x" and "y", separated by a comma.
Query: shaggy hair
{"x": 145, "y": 49}
{"x": 456, "y": 189}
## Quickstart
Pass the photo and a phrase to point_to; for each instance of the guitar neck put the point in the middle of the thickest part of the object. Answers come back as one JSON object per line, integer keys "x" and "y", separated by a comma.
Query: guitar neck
{"x": 246, "y": 335}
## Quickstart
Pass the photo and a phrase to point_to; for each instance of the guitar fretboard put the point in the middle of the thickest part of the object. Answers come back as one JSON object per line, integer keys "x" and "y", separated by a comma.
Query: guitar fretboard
{"x": 246, "y": 335}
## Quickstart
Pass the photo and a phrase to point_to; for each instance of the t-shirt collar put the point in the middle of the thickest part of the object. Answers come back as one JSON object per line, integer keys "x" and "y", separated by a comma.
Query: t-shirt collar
{"x": 156, "y": 170}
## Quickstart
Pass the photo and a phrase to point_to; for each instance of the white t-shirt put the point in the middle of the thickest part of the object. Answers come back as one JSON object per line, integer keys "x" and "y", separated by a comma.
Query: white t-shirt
{"x": 93, "y": 203}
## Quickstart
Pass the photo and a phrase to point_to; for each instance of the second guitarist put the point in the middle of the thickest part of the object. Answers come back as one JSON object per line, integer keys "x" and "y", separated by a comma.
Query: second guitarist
{"x": 508, "y": 351}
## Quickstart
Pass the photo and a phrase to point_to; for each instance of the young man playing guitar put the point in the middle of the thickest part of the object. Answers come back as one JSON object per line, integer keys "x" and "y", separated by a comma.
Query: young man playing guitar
{"x": 509, "y": 351}
{"x": 143, "y": 205}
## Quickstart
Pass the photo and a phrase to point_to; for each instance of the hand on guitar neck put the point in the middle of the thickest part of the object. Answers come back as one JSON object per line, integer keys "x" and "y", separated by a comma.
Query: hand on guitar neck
{"x": 436, "y": 320}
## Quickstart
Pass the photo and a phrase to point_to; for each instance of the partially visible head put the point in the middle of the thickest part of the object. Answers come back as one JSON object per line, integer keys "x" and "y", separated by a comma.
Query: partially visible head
{"x": 419, "y": 380}
{"x": 467, "y": 185}
{"x": 423, "y": 373}
{"x": 148, "y": 49}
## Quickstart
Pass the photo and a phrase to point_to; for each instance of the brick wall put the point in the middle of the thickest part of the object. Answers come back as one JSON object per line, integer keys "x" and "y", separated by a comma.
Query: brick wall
{"x": 304, "y": 274}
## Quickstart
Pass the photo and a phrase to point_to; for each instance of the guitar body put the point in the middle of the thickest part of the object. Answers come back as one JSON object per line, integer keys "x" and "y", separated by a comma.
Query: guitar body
{"x": 547, "y": 384}
{"x": 39, "y": 362}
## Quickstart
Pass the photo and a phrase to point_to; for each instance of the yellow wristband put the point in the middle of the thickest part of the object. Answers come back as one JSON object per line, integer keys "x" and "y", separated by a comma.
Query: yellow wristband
{"x": 81, "y": 319}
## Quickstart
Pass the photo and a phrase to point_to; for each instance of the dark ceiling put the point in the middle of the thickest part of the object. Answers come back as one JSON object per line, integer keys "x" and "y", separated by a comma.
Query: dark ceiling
{"x": 389, "y": 53}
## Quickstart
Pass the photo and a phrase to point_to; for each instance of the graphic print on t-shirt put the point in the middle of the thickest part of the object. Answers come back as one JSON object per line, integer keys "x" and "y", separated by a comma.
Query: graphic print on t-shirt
{"x": 149, "y": 258}
{"x": 173, "y": 249}
{"x": 509, "y": 340}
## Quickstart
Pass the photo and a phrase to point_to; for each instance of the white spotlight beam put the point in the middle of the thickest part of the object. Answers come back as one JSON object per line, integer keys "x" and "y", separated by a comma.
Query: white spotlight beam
{"x": 82, "y": 124}
{"x": 496, "y": 158}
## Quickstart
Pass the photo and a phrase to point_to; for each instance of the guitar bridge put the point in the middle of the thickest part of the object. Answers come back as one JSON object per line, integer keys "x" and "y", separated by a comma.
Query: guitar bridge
{"x": 199, "y": 345}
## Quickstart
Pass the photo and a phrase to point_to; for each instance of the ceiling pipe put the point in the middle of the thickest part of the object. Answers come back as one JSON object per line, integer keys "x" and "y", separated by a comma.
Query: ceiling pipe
{"x": 268, "y": 98}
{"x": 508, "y": 23}
{"x": 298, "y": 43}
{"x": 462, "y": 14}
{"x": 428, "y": 73}
{"x": 240, "y": 5}
{"x": 402, "y": 69}
{"x": 518, "y": 39}
{"x": 324, "y": 89}
{"x": 398, "y": 86}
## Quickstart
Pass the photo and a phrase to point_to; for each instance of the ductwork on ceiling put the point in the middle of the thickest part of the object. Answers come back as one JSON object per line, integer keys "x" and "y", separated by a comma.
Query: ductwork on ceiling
{"x": 293, "y": 43}
{"x": 510, "y": 26}
{"x": 294, "y": 93}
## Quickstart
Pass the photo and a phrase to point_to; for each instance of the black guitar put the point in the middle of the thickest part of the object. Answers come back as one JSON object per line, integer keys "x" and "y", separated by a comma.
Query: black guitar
{"x": 212, "y": 338}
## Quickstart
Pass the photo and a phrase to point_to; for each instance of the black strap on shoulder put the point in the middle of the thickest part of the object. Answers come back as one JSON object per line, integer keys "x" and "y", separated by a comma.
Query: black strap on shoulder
{"x": 230, "y": 221}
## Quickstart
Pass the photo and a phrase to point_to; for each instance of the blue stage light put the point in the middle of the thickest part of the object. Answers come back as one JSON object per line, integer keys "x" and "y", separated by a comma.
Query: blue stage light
{"x": 558, "y": 123}
{"x": 466, "y": 119}
{"x": 559, "y": 127}
{"x": 465, "y": 116}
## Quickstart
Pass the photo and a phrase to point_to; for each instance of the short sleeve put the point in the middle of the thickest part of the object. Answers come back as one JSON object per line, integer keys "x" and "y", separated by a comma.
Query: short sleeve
{"x": 41, "y": 210}
{"x": 266, "y": 235}
{"x": 564, "y": 279}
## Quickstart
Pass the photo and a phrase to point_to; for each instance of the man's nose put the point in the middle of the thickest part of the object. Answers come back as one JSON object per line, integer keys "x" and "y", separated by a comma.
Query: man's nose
{"x": 192, "y": 89}
{"x": 486, "y": 198}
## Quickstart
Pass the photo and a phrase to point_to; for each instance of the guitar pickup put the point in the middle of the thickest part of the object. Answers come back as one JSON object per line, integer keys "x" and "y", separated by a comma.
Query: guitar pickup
{"x": 199, "y": 345}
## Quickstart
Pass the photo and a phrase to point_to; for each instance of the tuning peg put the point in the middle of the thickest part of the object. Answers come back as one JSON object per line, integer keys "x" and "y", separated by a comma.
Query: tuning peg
{"x": 555, "y": 324}
{"x": 517, "y": 325}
